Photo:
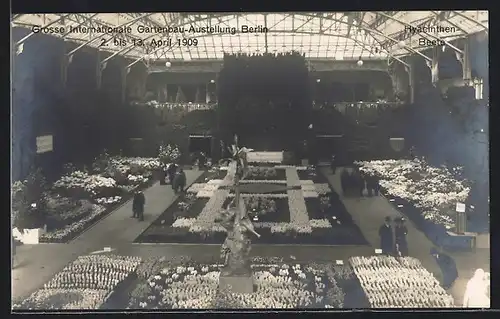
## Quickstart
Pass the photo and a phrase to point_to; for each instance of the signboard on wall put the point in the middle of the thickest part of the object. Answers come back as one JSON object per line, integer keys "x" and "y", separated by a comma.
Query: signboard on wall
{"x": 44, "y": 144}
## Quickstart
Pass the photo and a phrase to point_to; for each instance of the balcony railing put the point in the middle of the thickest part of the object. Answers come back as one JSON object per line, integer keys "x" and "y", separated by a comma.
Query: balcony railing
{"x": 187, "y": 106}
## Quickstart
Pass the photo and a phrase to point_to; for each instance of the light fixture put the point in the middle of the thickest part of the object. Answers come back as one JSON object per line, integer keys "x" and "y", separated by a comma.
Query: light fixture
{"x": 360, "y": 62}
{"x": 212, "y": 81}
{"x": 168, "y": 64}
{"x": 318, "y": 80}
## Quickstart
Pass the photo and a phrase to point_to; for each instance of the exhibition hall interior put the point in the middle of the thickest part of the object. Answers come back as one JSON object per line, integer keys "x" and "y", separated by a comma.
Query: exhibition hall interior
{"x": 307, "y": 160}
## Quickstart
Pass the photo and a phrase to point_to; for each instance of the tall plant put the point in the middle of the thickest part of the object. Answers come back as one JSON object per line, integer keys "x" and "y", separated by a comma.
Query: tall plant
{"x": 169, "y": 153}
{"x": 28, "y": 201}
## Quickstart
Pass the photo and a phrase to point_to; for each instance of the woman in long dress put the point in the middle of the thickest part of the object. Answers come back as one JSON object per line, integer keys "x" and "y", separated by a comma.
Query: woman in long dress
{"x": 476, "y": 293}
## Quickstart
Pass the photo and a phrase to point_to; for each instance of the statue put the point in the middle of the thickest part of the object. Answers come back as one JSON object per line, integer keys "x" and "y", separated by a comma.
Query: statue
{"x": 235, "y": 220}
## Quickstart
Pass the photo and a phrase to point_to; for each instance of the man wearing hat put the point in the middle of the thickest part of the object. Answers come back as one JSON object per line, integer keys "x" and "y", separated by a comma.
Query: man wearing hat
{"x": 385, "y": 233}
{"x": 400, "y": 232}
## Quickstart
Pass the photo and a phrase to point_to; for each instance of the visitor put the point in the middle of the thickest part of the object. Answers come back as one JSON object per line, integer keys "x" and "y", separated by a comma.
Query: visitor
{"x": 476, "y": 293}
{"x": 344, "y": 181}
{"x": 376, "y": 185}
{"x": 138, "y": 205}
{"x": 400, "y": 232}
{"x": 202, "y": 160}
{"x": 171, "y": 170}
{"x": 163, "y": 175}
{"x": 447, "y": 266}
{"x": 360, "y": 183}
{"x": 386, "y": 240}
{"x": 412, "y": 153}
{"x": 333, "y": 164}
{"x": 179, "y": 181}
{"x": 369, "y": 184}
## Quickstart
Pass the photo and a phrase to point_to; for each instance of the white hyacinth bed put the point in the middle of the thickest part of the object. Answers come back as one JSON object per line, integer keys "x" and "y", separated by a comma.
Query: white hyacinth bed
{"x": 390, "y": 282}
{"x": 190, "y": 285}
{"x": 435, "y": 191}
{"x": 86, "y": 283}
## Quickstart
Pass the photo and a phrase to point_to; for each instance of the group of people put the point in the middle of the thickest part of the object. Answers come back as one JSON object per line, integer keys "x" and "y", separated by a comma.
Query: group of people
{"x": 393, "y": 239}
{"x": 176, "y": 177}
{"x": 354, "y": 183}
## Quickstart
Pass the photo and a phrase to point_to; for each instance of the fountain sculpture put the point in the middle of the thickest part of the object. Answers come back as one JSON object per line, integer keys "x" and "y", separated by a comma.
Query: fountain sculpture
{"x": 236, "y": 275}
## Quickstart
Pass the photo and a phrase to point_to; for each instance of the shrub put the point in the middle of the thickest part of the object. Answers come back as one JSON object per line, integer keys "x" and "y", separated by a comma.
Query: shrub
{"x": 101, "y": 163}
{"x": 335, "y": 296}
{"x": 149, "y": 267}
{"x": 29, "y": 201}
{"x": 169, "y": 154}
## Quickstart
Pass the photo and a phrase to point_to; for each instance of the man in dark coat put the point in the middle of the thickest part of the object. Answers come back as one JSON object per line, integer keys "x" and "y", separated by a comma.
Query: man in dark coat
{"x": 376, "y": 185}
{"x": 369, "y": 184}
{"x": 333, "y": 164}
{"x": 138, "y": 205}
{"x": 171, "y": 170}
{"x": 202, "y": 160}
{"x": 385, "y": 233}
{"x": 163, "y": 176}
{"x": 344, "y": 180}
{"x": 447, "y": 266}
{"x": 400, "y": 232}
{"x": 360, "y": 182}
{"x": 179, "y": 181}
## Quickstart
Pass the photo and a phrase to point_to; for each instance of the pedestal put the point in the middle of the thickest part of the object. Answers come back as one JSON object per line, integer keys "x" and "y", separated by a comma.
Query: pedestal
{"x": 461, "y": 226}
{"x": 466, "y": 240}
{"x": 236, "y": 284}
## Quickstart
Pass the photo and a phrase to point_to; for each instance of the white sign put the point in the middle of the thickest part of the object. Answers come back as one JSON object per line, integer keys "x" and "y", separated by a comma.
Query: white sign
{"x": 44, "y": 144}
{"x": 460, "y": 208}
{"x": 378, "y": 251}
{"x": 339, "y": 262}
{"x": 263, "y": 157}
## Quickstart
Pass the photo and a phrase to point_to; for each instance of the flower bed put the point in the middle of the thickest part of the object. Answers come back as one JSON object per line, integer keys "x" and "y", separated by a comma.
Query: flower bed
{"x": 399, "y": 283}
{"x": 265, "y": 173}
{"x": 279, "y": 286}
{"x": 433, "y": 191}
{"x": 72, "y": 230}
{"x": 281, "y": 218}
{"x": 86, "y": 283}
{"x": 78, "y": 200}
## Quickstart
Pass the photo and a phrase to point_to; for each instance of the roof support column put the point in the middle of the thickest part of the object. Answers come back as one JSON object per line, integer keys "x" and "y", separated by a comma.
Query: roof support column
{"x": 99, "y": 69}
{"x": 434, "y": 65}
{"x": 124, "y": 73}
{"x": 464, "y": 59}
{"x": 411, "y": 83}
{"x": 65, "y": 63}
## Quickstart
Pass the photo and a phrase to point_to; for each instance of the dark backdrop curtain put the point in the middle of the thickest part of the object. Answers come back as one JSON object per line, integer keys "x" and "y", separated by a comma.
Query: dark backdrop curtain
{"x": 265, "y": 99}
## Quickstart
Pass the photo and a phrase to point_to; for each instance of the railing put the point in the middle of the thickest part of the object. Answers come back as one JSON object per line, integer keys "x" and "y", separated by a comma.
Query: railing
{"x": 189, "y": 106}
{"x": 342, "y": 106}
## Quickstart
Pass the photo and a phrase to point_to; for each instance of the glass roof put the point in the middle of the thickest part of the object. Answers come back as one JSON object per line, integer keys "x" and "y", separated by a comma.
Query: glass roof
{"x": 333, "y": 35}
